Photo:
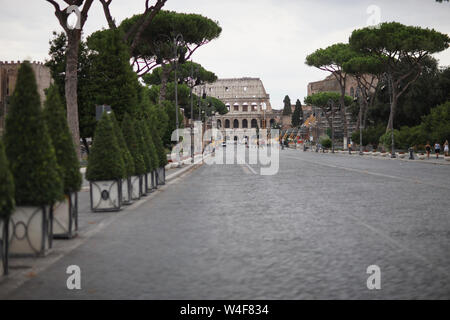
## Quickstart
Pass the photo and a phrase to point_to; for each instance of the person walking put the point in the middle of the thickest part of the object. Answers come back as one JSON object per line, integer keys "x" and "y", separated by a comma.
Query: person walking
{"x": 437, "y": 149}
{"x": 446, "y": 148}
{"x": 428, "y": 149}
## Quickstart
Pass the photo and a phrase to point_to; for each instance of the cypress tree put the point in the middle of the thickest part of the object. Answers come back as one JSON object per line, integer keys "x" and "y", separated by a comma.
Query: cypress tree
{"x": 287, "y": 106}
{"x": 6, "y": 186}
{"x": 28, "y": 145}
{"x": 129, "y": 134}
{"x": 66, "y": 155}
{"x": 159, "y": 146}
{"x": 297, "y": 116}
{"x": 151, "y": 146}
{"x": 143, "y": 147}
{"x": 126, "y": 155}
{"x": 105, "y": 159}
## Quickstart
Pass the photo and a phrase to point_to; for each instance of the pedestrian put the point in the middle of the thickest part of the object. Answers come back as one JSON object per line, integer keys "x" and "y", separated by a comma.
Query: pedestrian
{"x": 428, "y": 149}
{"x": 446, "y": 148}
{"x": 437, "y": 149}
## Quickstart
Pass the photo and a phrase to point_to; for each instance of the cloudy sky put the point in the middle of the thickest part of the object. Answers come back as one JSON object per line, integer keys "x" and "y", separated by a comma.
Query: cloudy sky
{"x": 268, "y": 39}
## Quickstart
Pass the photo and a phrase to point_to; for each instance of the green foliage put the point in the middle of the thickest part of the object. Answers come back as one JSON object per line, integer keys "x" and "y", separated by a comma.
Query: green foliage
{"x": 171, "y": 124}
{"x": 322, "y": 99}
{"x": 184, "y": 71}
{"x": 195, "y": 29}
{"x": 143, "y": 145}
{"x": 105, "y": 160}
{"x": 331, "y": 58}
{"x": 436, "y": 125}
{"x": 287, "y": 106}
{"x": 154, "y": 160}
{"x": 113, "y": 81}
{"x": 386, "y": 139}
{"x": 28, "y": 145}
{"x": 6, "y": 186}
{"x": 371, "y": 135}
{"x": 297, "y": 116}
{"x": 394, "y": 39}
{"x": 85, "y": 90}
{"x": 130, "y": 136}
{"x": 365, "y": 64}
{"x": 159, "y": 146}
{"x": 128, "y": 160}
{"x": 58, "y": 129}
{"x": 326, "y": 142}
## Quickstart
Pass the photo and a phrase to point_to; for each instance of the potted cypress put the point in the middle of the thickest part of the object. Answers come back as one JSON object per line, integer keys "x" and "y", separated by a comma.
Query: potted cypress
{"x": 129, "y": 134}
{"x": 65, "y": 212}
{"x": 33, "y": 164}
{"x": 6, "y": 208}
{"x": 128, "y": 162}
{"x": 161, "y": 170}
{"x": 106, "y": 168}
{"x": 145, "y": 152}
{"x": 150, "y": 182}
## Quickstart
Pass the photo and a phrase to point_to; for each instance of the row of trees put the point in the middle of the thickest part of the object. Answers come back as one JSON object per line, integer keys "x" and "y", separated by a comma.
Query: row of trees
{"x": 84, "y": 70}
{"x": 386, "y": 60}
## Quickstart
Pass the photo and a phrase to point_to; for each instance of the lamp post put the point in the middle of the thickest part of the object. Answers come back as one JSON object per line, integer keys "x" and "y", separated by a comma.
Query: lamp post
{"x": 331, "y": 103}
{"x": 177, "y": 39}
{"x": 191, "y": 85}
{"x": 388, "y": 78}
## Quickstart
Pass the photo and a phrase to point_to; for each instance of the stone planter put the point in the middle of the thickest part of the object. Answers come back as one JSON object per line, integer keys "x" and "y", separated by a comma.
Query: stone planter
{"x": 4, "y": 246}
{"x": 160, "y": 176}
{"x": 143, "y": 186}
{"x": 126, "y": 191}
{"x": 447, "y": 158}
{"x": 422, "y": 156}
{"x": 402, "y": 155}
{"x": 367, "y": 153}
{"x": 384, "y": 154}
{"x": 149, "y": 182}
{"x": 31, "y": 231}
{"x": 154, "y": 184}
{"x": 375, "y": 154}
{"x": 65, "y": 217}
{"x": 135, "y": 187}
{"x": 106, "y": 195}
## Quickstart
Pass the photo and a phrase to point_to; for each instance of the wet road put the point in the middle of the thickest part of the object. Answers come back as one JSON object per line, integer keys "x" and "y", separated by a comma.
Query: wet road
{"x": 308, "y": 232}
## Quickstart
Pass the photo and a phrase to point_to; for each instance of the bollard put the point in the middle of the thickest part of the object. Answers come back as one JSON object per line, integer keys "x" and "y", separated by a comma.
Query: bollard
{"x": 411, "y": 153}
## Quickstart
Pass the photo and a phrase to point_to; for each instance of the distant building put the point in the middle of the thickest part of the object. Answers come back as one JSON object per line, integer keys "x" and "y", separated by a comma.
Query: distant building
{"x": 320, "y": 124}
{"x": 8, "y": 78}
{"x": 245, "y": 99}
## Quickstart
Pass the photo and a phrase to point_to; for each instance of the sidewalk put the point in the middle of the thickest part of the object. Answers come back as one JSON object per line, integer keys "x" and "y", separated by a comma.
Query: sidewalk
{"x": 432, "y": 160}
{"x": 89, "y": 224}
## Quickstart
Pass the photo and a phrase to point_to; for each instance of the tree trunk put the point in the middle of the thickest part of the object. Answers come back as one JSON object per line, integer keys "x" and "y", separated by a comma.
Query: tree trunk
{"x": 394, "y": 97}
{"x": 73, "y": 43}
{"x": 164, "y": 79}
{"x": 343, "y": 115}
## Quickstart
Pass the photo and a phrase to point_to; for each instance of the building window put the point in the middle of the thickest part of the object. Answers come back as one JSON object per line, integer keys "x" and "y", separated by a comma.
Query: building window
{"x": 236, "y": 124}
{"x": 245, "y": 88}
{"x": 254, "y": 108}
{"x": 236, "y": 108}
{"x": 227, "y": 89}
{"x": 227, "y": 123}
{"x": 254, "y": 123}
{"x": 245, "y": 108}
{"x": 244, "y": 123}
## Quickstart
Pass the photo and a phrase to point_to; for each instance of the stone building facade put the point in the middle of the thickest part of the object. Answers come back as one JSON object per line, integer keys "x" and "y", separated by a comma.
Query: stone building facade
{"x": 8, "y": 78}
{"x": 331, "y": 84}
{"x": 247, "y": 102}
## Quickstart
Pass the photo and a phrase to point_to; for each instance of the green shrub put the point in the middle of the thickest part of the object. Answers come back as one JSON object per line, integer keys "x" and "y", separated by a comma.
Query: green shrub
{"x": 129, "y": 134}
{"x": 28, "y": 146}
{"x": 143, "y": 147}
{"x": 6, "y": 186}
{"x": 371, "y": 135}
{"x": 325, "y": 141}
{"x": 150, "y": 145}
{"x": 126, "y": 155}
{"x": 105, "y": 159}
{"x": 159, "y": 146}
{"x": 58, "y": 129}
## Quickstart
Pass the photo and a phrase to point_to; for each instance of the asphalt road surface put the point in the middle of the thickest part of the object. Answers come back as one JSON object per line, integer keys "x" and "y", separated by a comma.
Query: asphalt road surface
{"x": 308, "y": 232}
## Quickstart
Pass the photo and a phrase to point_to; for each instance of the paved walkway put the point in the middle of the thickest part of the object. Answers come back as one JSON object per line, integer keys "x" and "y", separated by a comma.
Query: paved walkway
{"x": 308, "y": 232}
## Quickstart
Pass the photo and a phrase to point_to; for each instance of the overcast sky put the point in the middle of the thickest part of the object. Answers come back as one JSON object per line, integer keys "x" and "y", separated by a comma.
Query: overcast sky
{"x": 268, "y": 39}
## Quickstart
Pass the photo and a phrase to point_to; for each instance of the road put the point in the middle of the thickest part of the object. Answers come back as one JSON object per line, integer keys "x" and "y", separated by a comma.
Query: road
{"x": 308, "y": 232}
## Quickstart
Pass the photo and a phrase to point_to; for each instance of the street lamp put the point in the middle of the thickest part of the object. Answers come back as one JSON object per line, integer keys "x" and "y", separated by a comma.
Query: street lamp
{"x": 331, "y": 103}
{"x": 192, "y": 83}
{"x": 176, "y": 40}
{"x": 388, "y": 78}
